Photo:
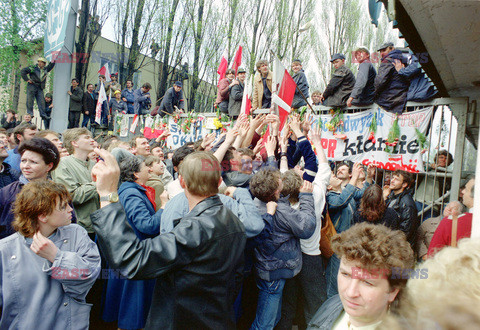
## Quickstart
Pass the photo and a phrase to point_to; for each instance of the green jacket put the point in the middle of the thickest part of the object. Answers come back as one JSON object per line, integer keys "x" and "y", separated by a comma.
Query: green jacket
{"x": 75, "y": 174}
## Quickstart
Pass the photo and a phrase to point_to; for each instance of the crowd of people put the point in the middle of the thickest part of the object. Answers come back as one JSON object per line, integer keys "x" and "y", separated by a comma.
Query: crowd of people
{"x": 224, "y": 232}
{"x": 250, "y": 228}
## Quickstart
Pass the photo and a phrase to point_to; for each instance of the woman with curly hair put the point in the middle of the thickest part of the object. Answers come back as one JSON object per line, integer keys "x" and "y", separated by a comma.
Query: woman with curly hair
{"x": 374, "y": 210}
{"x": 375, "y": 263}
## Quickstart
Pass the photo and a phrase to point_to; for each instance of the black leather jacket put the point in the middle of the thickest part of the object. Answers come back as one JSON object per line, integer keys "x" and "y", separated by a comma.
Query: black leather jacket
{"x": 34, "y": 74}
{"x": 404, "y": 205}
{"x": 198, "y": 265}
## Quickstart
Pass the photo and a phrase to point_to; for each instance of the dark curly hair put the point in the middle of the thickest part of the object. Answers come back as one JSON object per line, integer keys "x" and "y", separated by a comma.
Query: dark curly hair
{"x": 128, "y": 167}
{"x": 43, "y": 147}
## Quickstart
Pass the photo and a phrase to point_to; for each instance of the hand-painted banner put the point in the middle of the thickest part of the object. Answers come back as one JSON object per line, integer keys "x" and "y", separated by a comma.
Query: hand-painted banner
{"x": 406, "y": 155}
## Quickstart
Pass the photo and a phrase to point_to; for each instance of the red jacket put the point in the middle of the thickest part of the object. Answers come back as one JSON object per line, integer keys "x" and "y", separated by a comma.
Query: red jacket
{"x": 443, "y": 235}
{"x": 223, "y": 91}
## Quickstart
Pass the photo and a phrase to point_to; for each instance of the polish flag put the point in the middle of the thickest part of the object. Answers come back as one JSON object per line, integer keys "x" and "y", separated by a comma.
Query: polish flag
{"x": 246, "y": 102}
{"x": 134, "y": 124}
{"x": 104, "y": 70}
{"x": 102, "y": 97}
{"x": 237, "y": 60}
{"x": 283, "y": 87}
{"x": 222, "y": 68}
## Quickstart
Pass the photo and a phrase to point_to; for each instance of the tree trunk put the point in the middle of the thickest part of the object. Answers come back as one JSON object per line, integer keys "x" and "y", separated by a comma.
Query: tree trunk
{"x": 196, "y": 58}
{"x": 123, "y": 78}
{"x": 16, "y": 88}
{"x": 135, "y": 48}
{"x": 164, "y": 72}
{"x": 81, "y": 44}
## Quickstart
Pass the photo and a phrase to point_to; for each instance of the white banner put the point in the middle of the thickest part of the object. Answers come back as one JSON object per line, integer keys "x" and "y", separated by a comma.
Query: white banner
{"x": 406, "y": 155}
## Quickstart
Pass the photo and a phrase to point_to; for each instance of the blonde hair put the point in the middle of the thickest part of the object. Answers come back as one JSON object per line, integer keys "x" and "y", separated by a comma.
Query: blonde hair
{"x": 72, "y": 135}
{"x": 201, "y": 172}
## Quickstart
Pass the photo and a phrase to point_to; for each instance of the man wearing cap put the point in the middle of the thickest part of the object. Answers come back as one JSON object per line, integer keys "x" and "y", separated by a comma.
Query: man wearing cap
{"x": 223, "y": 90}
{"x": 116, "y": 104}
{"x": 36, "y": 77}
{"x": 236, "y": 94}
{"x": 302, "y": 85}
{"x": 341, "y": 85}
{"x": 173, "y": 98}
{"x": 390, "y": 87}
{"x": 76, "y": 104}
{"x": 363, "y": 91}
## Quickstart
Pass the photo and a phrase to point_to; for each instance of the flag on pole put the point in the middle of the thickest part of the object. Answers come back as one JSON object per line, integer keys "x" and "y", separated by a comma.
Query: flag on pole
{"x": 134, "y": 124}
{"x": 102, "y": 97}
{"x": 246, "y": 102}
{"x": 222, "y": 68}
{"x": 285, "y": 86}
{"x": 237, "y": 60}
{"x": 104, "y": 70}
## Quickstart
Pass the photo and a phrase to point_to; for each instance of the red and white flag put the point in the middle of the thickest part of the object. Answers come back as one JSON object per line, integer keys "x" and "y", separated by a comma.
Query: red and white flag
{"x": 134, "y": 124}
{"x": 246, "y": 102}
{"x": 283, "y": 87}
{"x": 222, "y": 68}
{"x": 102, "y": 97}
{"x": 237, "y": 60}
{"x": 104, "y": 70}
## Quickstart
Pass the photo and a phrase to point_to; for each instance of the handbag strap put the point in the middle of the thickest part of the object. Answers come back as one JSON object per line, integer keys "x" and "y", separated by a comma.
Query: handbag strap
{"x": 453, "y": 241}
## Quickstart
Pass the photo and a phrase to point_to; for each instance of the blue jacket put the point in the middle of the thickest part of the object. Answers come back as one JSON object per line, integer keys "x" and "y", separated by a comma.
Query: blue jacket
{"x": 303, "y": 148}
{"x": 390, "y": 87}
{"x": 140, "y": 106}
{"x": 13, "y": 159}
{"x": 140, "y": 212}
{"x": 420, "y": 88}
{"x": 364, "y": 90}
{"x": 171, "y": 99}
{"x": 341, "y": 206}
{"x": 9, "y": 175}
{"x": 279, "y": 255}
{"x": 130, "y": 97}
{"x": 302, "y": 84}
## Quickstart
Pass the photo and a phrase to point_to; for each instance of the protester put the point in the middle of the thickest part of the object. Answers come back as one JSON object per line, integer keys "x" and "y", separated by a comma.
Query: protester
{"x": 74, "y": 172}
{"x": 363, "y": 91}
{"x": 48, "y": 110}
{"x": 443, "y": 234}
{"x": 126, "y": 301}
{"x": 390, "y": 87}
{"x": 21, "y": 133}
{"x": 198, "y": 270}
{"x": 262, "y": 87}
{"x": 36, "y": 78}
{"x": 104, "y": 113}
{"x": 301, "y": 91}
{"x": 49, "y": 287}
{"x": 10, "y": 121}
{"x": 128, "y": 97}
{"x": 75, "y": 108}
{"x": 367, "y": 282}
{"x": 113, "y": 85}
{"x": 116, "y": 104}
{"x": 374, "y": 210}
{"x": 89, "y": 106}
{"x": 278, "y": 256}
{"x": 420, "y": 89}
{"x": 172, "y": 100}
{"x": 139, "y": 146}
{"x": 236, "y": 95}
{"x": 340, "y": 87}
{"x": 53, "y": 137}
{"x": 428, "y": 227}
{"x": 7, "y": 174}
{"x": 27, "y": 118}
{"x": 156, "y": 170}
{"x": 317, "y": 97}
{"x": 399, "y": 197}
{"x": 39, "y": 157}
{"x": 223, "y": 90}
{"x": 143, "y": 101}
{"x": 4, "y": 137}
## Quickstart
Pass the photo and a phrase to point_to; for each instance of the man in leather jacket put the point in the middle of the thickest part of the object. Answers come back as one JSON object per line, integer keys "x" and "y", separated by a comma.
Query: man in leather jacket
{"x": 36, "y": 77}
{"x": 198, "y": 264}
{"x": 399, "y": 197}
